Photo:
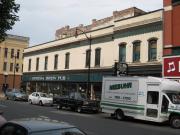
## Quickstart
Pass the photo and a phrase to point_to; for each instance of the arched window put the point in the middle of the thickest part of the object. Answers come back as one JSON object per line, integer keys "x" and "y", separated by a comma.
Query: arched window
{"x": 122, "y": 52}
{"x": 152, "y": 45}
{"x": 136, "y": 51}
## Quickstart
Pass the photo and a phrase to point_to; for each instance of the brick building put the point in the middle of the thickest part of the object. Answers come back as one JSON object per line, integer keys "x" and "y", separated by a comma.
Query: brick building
{"x": 171, "y": 49}
{"x": 11, "y": 56}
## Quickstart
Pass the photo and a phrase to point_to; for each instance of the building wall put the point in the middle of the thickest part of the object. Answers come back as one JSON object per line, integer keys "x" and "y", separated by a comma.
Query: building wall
{"x": 171, "y": 27}
{"x": 107, "y": 38}
{"x": 16, "y": 43}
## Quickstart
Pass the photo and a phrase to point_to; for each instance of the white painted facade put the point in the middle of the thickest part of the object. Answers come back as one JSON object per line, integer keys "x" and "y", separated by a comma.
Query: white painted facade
{"x": 109, "y": 50}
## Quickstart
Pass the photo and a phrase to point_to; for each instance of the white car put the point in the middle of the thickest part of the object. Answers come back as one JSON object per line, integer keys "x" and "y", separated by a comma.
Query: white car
{"x": 40, "y": 98}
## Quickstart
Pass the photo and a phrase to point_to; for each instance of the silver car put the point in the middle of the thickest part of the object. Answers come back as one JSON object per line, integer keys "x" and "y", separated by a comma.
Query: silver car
{"x": 38, "y": 127}
{"x": 15, "y": 94}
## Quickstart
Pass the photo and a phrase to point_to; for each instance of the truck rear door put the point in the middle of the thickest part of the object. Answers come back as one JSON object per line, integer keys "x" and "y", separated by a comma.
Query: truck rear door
{"x": 152, "y": 102}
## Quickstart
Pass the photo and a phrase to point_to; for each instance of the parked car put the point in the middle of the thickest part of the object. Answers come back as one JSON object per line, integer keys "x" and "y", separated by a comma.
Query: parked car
{"x": 40, "y": 98}
{"x": 39, "y": 127}
{"x": 2, "y": 119}
{"x": 78, "y": 102}
{"x": 16, "y": 94}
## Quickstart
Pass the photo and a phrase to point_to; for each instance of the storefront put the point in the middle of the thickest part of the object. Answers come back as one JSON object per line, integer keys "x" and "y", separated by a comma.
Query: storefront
{"x": 62, "y": 83}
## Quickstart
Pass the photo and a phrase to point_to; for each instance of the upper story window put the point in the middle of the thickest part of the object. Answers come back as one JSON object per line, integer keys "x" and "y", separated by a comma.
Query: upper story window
{"x": 11, "y": 67}
{"x": 12, "y": 53}
{"x": 87, "y": 58}
{"x": 5, "y": 66}
{"x": 5, "y": 52}
{"x": 17, "y": 67}
{"x": 18, "y": 54}
{"x": 97, "y": 57}
{"x": 175, "y": 1}
{"x": 122, "y": 52}
{"x": 152, "y": 49}
{"x": 37, "y": 64}
{"x": 136, "y": 51}
{"x": 29, "y": 65}
{"x": 46, "y": 63}
{"x": 67, "y": 59}
{"x": 56, "y": 61}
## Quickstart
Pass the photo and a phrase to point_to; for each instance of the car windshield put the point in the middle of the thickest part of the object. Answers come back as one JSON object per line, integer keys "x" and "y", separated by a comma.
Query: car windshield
{"x": 174, "y": 97}
{"x": 43, "y": 95}
{"x": 68, "y": 131}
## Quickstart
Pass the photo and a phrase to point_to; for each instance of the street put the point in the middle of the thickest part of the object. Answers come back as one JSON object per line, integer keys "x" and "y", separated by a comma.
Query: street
{"x": 92, "y": 124}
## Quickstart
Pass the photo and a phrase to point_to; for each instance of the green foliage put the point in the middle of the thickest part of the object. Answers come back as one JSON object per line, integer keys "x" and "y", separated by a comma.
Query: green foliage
{"x": 8, "y": 17}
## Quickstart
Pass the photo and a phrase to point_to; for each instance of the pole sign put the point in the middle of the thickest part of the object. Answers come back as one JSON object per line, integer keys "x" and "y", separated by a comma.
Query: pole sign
{"x": 171, "y": 67}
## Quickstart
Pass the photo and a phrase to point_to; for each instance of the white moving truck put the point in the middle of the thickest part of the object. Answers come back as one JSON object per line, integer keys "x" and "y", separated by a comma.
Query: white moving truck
{"x": 146, "y": 98}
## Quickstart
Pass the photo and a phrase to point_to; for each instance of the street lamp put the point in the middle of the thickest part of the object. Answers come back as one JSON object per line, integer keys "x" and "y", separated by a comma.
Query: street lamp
{"x": 15, "y": 68}
{"x": 5, "y": 77}
{"x": 89, "y": 61}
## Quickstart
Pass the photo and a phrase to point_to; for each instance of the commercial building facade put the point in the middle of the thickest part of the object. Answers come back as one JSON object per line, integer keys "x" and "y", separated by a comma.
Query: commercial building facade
{"x": 11, "y": 60}
{"x": 132, "y": 36}
{"x": 171, "y": 48}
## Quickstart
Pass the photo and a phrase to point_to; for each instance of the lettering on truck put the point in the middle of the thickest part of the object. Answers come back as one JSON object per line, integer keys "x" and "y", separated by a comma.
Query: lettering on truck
{"x": 120, "y": 86}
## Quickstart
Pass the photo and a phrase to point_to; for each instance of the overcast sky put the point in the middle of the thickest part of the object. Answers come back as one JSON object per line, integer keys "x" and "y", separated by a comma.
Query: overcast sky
{"x": 39, "y": 19}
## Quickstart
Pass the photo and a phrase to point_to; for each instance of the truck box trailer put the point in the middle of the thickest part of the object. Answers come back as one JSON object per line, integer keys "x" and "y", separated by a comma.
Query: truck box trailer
{"x": 145, "y": 98}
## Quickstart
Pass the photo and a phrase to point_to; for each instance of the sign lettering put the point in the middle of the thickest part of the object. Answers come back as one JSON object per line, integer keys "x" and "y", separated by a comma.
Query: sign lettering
{"x": 120, "y": 86}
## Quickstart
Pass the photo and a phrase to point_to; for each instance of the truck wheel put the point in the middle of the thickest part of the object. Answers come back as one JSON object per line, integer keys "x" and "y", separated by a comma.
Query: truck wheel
{"x": 59, "y": 107}
{"x": 79, "y": 110}
{"x": 119, "y": 115}
{"x": 175, "y": 122}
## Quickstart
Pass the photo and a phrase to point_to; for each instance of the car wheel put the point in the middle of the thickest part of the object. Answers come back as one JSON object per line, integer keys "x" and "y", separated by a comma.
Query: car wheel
{"x": 175, "y": 122}
{"x": 40, "y": 103}
{"x": 119, "y": 115}
{"x": 79, "y": 109}
{"x": 14, "y": 98}
{"x": 59, "y": 107}
{"x": 30, "y": 101}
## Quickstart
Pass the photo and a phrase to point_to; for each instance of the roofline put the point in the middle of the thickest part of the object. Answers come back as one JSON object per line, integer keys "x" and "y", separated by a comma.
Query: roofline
{"x": 146, "y": 13}
{"x": 97, "y": 29}
{"x": 22, "y": 38}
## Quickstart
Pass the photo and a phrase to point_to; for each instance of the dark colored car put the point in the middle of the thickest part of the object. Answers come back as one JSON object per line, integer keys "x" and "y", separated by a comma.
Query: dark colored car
{"x": 38, "y": 126}
{"x": 15, "y": 94}
{"x": 78, "y": 102}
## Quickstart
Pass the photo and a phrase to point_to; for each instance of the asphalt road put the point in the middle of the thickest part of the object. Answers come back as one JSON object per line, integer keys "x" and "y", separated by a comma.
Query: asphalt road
{"x": 92, "y": 124}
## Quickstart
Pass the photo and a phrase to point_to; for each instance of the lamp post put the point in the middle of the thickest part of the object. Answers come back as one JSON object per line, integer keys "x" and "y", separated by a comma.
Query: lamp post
{"x": 5, "y": 77}
{"x": 15, "y": 68}
{"x": 5, "y": 82}
{"x": 89, "y": 60}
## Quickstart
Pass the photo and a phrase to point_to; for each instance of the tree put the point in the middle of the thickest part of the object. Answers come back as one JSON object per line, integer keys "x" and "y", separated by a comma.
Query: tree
{"x": 8, "y": 17}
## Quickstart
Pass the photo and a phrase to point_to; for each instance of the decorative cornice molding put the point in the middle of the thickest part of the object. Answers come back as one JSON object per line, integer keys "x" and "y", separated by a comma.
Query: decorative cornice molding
{"x": 138, "y": 23}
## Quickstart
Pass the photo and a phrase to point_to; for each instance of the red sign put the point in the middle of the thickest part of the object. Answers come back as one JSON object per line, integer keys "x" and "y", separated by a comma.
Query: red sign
{"x": 171, "y": 67}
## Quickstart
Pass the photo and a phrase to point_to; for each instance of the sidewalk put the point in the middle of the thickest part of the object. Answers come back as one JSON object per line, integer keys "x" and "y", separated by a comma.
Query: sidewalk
{"x": 2, "y": 97}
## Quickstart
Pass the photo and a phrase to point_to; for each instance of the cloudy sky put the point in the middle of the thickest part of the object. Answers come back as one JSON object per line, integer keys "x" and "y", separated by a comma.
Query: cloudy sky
{"x": 39, "y": 19}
